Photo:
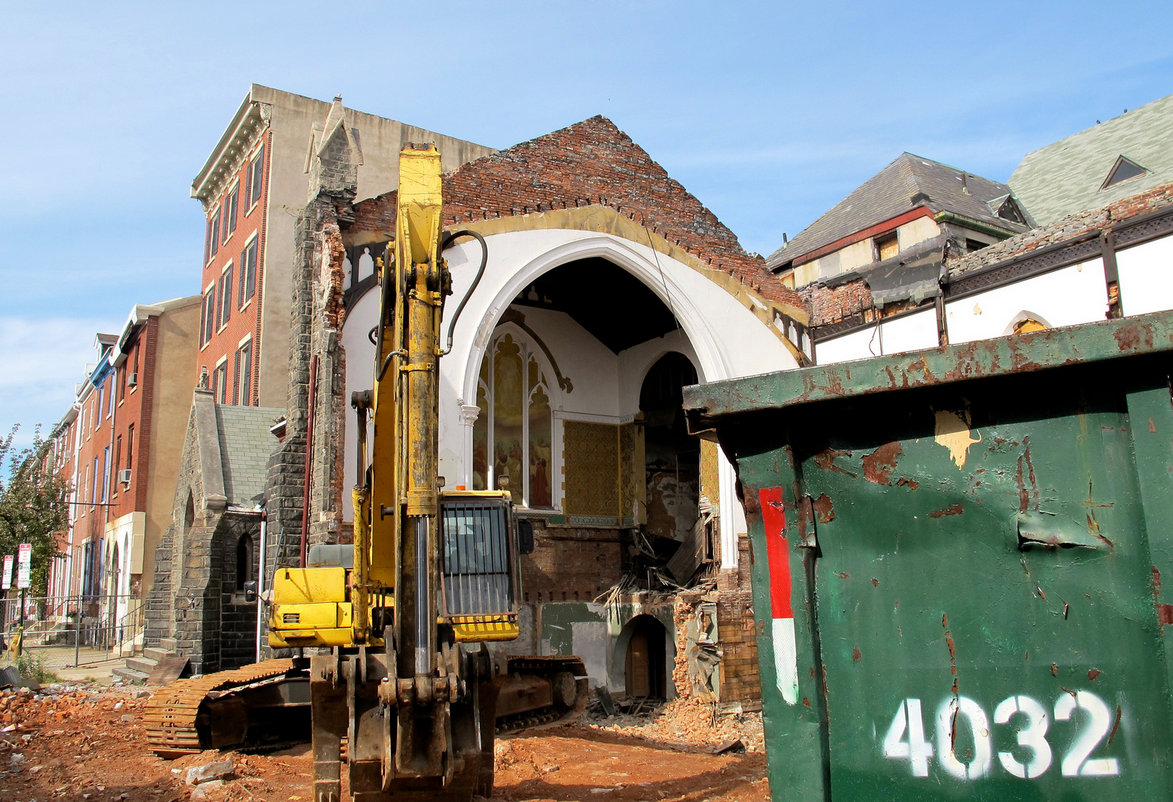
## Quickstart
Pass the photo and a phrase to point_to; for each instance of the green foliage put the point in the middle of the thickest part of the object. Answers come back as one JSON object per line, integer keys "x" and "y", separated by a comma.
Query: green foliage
{"x": 31, "y": 665}
{"x": 33, "y": 505}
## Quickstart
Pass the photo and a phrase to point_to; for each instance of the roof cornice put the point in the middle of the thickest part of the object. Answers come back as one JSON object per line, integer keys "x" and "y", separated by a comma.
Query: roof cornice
{"x": 250, "y": 120}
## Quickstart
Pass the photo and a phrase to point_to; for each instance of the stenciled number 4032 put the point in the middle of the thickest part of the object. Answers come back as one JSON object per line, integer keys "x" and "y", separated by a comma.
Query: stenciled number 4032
{"x": 905, "y": 739}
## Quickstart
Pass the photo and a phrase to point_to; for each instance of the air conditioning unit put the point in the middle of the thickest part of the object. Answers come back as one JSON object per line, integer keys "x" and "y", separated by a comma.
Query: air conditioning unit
{"x": 124, "y": 476}
{"x": 132, "y": 380}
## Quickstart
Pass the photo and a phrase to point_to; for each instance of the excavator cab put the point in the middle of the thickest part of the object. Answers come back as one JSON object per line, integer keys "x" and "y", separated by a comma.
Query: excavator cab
{"x": 480, "y": 544}
{"x": 479, "y": 578}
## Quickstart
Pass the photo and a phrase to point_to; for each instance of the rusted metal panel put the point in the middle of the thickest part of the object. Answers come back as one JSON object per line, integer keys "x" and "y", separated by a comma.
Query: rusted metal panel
{"x": 957, "y": 583}
{"x": 982, "y": 359}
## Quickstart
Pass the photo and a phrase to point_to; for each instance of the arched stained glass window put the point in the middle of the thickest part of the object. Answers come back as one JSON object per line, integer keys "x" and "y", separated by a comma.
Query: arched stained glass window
{"x": 513, "y": 436}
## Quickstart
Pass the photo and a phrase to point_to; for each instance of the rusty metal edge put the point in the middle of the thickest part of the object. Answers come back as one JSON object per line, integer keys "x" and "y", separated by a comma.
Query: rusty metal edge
{"x": 1001, "y": 356}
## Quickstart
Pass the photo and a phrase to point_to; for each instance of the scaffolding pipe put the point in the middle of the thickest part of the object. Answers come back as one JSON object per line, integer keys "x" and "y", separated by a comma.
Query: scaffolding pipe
{"x": 309, "y": 462}
{"x": 261, "y": 581}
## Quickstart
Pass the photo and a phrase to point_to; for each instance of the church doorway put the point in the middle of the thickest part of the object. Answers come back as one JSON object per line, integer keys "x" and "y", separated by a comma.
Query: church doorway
{"x": 645, "y": 669}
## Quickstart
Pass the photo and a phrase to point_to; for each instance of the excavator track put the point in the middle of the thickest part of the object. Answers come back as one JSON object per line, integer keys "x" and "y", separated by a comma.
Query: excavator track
{"x": 172, "y": 714}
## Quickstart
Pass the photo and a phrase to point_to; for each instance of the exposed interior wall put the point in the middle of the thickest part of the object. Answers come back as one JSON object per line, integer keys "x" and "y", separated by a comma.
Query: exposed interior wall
{"x": 1146, "y": 277}
{"x": 912, "y": 332}
{"x": 861, "y": 254}
{"x": 1064, "y": 297}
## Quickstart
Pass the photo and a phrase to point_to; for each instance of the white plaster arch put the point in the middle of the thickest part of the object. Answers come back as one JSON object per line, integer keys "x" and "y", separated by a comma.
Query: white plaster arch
{"x": 720, "y": 335}
{"x": 713, "y": 363}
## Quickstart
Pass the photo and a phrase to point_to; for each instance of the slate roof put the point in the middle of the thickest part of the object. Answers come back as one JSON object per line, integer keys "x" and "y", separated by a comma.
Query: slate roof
{"x": 1065, "y": 177}
{"x": 245, "y": 447}
{"x": 906, "y": 184}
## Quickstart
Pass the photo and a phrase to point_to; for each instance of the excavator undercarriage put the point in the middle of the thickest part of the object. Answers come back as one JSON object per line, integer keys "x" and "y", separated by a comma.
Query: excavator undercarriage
{"x": 266, "y": 706}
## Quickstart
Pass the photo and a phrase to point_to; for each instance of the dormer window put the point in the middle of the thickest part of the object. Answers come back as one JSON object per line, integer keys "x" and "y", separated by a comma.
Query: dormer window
{"x": 1009, "y": 211}
{"x": 1121, "y": 171}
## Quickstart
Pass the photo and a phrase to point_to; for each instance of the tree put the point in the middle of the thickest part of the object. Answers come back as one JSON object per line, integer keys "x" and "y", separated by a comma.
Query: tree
{"x": 33, "y": 506}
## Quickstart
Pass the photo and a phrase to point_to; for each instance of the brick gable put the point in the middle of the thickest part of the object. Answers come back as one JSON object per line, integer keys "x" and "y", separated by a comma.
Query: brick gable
{"x": 591, "y": 163}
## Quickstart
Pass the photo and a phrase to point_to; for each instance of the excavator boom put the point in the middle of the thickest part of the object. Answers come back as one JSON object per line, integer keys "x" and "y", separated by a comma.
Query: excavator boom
{"x": 399, "y": 621}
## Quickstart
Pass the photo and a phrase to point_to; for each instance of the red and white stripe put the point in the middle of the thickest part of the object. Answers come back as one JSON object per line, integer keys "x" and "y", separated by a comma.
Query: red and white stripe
{"x": 778, "y": 559}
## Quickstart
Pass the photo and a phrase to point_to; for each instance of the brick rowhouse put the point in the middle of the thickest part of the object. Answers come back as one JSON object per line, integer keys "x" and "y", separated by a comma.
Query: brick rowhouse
{"x": 232, "y": 280}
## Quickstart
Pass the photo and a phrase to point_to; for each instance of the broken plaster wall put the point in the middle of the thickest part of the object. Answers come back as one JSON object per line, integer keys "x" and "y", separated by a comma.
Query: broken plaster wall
{"x": 716, "y": 645}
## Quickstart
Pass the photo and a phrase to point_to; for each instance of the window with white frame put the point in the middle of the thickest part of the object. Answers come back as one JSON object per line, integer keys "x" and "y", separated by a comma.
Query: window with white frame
{"x": 208, "y": 315}
{"x": 513, "y": 436}
{"x": 220, "y": 382}
{"x": 243, "y": 373}
{"x": 224, "y": 308}
{"x": 231, "y": 203}
{"x": 248, "y": 273}
{"x": 214, "y": 233}
{"x": 256, "y": 172}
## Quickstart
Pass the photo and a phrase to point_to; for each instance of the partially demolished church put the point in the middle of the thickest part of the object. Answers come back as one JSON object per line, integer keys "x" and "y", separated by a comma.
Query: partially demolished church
{"x": 607, "y": 288}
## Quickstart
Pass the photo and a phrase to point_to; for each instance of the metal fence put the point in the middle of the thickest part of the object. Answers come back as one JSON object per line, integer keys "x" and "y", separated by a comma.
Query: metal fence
{"x": 74, "y": 631}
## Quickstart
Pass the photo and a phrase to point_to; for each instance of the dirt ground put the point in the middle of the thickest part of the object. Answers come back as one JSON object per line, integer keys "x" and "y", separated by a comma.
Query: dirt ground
{"x": 85, "y": 743}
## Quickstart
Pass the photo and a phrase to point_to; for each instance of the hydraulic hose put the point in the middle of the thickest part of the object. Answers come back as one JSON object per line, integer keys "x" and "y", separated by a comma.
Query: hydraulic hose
{"x": 445, "y": 244}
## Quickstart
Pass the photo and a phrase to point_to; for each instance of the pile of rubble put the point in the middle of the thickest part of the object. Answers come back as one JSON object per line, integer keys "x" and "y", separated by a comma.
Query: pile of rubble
{"x": 686, "y": 724}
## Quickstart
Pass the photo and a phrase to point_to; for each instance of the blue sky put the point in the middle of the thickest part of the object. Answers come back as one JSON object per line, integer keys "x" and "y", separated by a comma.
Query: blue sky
{"x": 769, "y": 113}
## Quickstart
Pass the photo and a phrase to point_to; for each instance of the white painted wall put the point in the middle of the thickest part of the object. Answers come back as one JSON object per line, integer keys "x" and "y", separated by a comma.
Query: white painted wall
{"x": 860, "y": 344}
{"x": 635, "y": 362}
{"x": 914, "y": 332}
{"x": 1065, "y": 297}
{"x": 1146, "y": 277}
{"x": 917, "y": 231}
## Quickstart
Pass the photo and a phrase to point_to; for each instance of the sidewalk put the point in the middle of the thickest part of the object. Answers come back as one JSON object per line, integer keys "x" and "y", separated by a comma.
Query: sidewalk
{"x": 94, "y": 664}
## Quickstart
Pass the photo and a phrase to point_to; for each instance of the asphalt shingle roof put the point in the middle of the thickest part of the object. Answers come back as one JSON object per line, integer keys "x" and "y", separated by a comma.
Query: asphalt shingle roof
{"x": 245, "y": 446}
{"x": 1065, "y": 177}
{"x": 907, "y": 183}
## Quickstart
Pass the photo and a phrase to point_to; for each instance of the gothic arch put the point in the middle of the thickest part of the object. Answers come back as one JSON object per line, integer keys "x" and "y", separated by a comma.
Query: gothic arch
{"x": 713, "y": 364}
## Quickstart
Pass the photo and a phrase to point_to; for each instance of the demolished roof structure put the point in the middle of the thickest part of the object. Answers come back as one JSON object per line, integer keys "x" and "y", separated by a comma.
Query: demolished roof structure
{"x": 910, "y": 187}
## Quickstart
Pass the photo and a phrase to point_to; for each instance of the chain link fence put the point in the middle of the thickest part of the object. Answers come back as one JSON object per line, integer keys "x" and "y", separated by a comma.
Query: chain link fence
{"x": 71, "y": 632}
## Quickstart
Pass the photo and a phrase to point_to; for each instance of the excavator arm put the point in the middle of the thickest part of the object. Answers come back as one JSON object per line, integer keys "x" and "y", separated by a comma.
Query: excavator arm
{"x": 400, "y": 620}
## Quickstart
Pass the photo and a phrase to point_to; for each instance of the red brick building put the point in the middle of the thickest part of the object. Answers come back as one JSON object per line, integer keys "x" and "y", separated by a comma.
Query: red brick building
{"x": 119, "y": 448}
{"x": 251, "y": 189}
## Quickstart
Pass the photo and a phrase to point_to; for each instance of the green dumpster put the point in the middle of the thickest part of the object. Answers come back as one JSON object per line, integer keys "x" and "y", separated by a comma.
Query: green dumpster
{"x": 957, "y": 566}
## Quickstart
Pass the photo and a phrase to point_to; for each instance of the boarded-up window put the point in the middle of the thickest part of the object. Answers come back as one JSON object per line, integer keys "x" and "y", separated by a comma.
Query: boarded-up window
{"x": 887, "y": 246}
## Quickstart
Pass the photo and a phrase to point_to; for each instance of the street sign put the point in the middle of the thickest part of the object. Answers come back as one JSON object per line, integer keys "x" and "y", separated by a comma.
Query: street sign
{"x": 6, "y": 580}
{"x": 24, "y": 565}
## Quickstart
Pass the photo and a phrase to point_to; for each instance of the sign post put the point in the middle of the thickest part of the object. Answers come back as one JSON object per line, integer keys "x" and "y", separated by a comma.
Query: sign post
{"x": 5, "y": 584}
{"x": 24, "y": 565}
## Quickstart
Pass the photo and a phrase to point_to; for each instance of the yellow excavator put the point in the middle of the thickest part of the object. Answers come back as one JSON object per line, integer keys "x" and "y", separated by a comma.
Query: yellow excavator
{"x": 398, "y": 624}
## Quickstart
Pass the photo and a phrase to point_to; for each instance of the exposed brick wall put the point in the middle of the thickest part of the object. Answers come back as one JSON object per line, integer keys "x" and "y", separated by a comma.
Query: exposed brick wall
{"x": 740, "y": 680}
{"x": 589, "y": 163}
{"x": 832, "y": 304}
{"x": 1064, "y": 229}
{"x": 552, "y": 574}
